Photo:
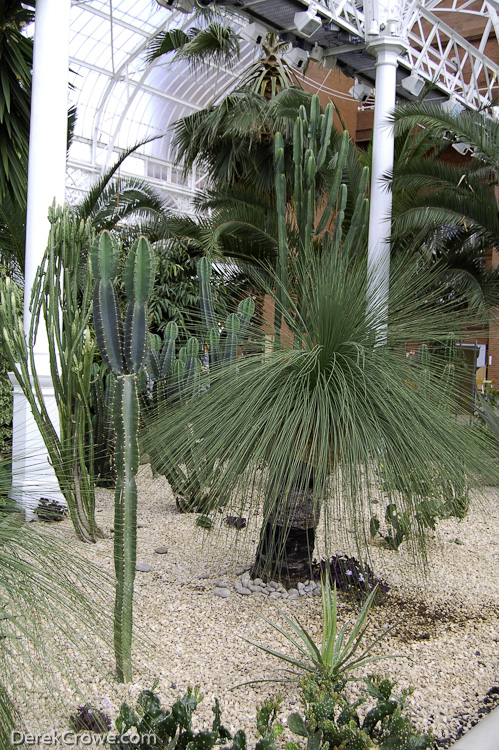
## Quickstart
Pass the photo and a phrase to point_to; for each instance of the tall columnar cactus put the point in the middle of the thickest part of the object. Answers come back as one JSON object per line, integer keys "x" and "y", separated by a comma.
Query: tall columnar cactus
{"x": 61, "y": 300}
{"x": 123, "y": 347}
{"x": 312, "y": 146}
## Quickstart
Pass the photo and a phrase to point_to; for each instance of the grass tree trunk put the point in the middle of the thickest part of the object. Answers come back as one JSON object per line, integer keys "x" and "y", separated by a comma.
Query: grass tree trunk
{"x": 287, "y": 537}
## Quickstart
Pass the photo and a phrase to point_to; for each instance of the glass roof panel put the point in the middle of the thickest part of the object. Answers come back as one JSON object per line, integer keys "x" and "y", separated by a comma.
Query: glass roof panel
{"x": 120, "y": 98}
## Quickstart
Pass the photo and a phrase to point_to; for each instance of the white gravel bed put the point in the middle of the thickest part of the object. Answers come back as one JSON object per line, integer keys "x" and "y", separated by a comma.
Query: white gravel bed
{"x": 447, "y": 637}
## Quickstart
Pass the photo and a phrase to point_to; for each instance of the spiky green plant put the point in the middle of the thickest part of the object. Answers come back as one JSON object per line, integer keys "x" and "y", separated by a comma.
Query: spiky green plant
{"x": 340, "y": 652}
{"x": 123, "y": 348}
{"x": 60, "y": 301}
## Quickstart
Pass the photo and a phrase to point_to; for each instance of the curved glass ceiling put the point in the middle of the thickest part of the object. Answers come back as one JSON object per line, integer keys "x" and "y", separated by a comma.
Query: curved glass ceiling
{"x": 121, "y": 99}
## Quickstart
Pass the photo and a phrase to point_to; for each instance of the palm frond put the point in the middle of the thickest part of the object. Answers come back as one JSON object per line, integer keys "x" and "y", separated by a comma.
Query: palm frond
{"x": 215, "y": 44}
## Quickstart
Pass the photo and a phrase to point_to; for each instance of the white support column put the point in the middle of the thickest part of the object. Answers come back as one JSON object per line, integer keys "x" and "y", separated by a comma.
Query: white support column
{"x": 33, "y": 477}
{"x": 386, "y": 49}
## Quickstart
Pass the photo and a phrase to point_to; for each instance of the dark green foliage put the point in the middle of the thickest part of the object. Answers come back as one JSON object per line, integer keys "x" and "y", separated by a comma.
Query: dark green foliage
{"x": 331, "y": 719}
{"x": 16, "y": 59}
{"x": 171, "y": 729}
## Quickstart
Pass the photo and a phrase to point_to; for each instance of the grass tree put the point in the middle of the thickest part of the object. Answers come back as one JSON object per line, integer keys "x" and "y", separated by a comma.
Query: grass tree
{"x": 312, "y": 427}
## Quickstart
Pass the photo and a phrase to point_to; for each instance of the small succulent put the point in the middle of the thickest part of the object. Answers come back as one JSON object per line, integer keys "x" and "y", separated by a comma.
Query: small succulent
{"x": 51, "y": 510}
{"x": 205, "y": 522}
{"x": 90, "y": 719}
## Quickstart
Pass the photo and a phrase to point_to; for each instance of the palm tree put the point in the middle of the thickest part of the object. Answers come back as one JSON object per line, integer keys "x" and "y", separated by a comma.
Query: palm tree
{"x": 16, "y": 58}
{"x": 443, "y": 211}
{"x": 232, "y": 140}
{"x": 308, "y": 429}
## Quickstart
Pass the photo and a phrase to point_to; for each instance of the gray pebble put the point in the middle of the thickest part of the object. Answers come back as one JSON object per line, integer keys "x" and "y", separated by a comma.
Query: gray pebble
{"x": 257, "y": 581}
{"x": 317, "y": 591}
{"x": 293, "y": 591}
{"x": 141, "y": 525}
{"x": 143, "y": 567}
{"x": 244, "y": 591}
{"x": 275, "y": 595}
{"x": 309, "y": 586}
{"x": 240, "y": 571}
{"x": 222, "y": 592}
{"x": 293, "y": 594}
{"x": 248, "y": 566}
{"x": 161, "y": 550}
{"x": 273, "y": 585}
{"x": 221, "y": 583}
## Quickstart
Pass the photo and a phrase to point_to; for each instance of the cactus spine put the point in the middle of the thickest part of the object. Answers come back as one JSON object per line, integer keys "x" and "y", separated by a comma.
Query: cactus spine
{"x": 123, "y": 348}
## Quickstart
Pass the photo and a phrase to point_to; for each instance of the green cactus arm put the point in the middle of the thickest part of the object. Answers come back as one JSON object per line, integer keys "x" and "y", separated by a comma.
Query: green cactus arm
{"x": 126, "y": 424}
{"x": 245, "y": 311}
{"x": 192, "y": 352}
{"x": 282, "y": 264}
{"x": 214, "y": 346}
{"x": 108, "y": 326}
{"x": 177, "y": 377}
{"x": 205, "y": 296}
{"x": 135, "y": 336}
{"x": 167, "y": 354}
{"x": 231, "y": 338}
{"x": 107, "y": 316}
{"x": 139, "y": 278}
{"x": 335, "y": 185}
{"x": 327, "y": 126}
{"x": 314, "y": 122}
{"x": 105, "y": 257}
{"x": 297, "y": 160}
{"x": 140, "y": 270}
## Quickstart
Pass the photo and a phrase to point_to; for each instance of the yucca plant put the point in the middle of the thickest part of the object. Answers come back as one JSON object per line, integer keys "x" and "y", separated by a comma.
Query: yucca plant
{"x": 341, "y": 651}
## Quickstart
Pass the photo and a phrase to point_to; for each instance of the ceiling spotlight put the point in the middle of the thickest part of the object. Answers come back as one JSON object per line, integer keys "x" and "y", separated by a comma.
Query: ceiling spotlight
{"x": 308, "y": 21}
{"x": 317, "y": 53}
{"x": 462, "y": 148}
{"x": 452, "y": 106}
{"x": 330, "y": 62}
{"x": 184, "y": 6}
{"x": 296, "y": 57}
{"x": 413, "y": 84}
{"x": 361, "y": 91}
{"x": 254, "y": 33}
